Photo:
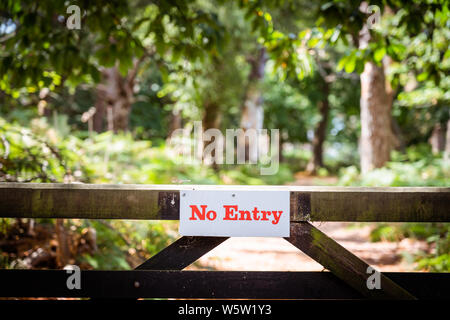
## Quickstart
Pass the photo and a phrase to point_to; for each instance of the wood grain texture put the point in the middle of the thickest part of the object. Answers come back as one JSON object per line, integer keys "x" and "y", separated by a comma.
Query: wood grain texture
{"x": 388, "y": 206}
{"x": 161, "y": 202}
{"x": 341, "y": 262}
{"x": 206, "y": 284}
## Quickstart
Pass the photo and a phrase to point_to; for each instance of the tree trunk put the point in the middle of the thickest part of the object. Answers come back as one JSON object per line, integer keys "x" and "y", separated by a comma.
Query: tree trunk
{"x": 447, "y": 143}
{"x": 211, "y": 120}
{"x": 100, "y": 112}
{"x": 376, "y": 133}
{"x": 397, "y": 142}
{"x": 115, "y": 92}
{"x": 437, "y": 139}
{"x": 175, "y": 122}
{"x": 320, "y": 132}
{"x": 211, "y": 117}
{"x": 252, "y": 116}
{"x": 63, "y": 250}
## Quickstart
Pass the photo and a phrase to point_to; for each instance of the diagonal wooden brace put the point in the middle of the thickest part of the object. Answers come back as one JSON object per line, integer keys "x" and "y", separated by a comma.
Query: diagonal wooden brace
{"x": 181, "y": 253}
{"x": 344, "y": 264}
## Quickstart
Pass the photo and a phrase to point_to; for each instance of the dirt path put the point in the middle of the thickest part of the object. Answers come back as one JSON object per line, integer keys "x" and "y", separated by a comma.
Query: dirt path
{"x": 275, "y": 254}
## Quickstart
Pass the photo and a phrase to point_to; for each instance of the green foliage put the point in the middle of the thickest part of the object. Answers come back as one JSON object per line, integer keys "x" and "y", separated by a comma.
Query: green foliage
{"x": 285, "y": 49}
{"x": 415, "y": 168}
{"x": 121, "y": 159}
{"x": 38, "y": 49}
{"x": 438, "y": 263}
{"x": 413, "y": 33}
{"x": 250, "y": 175}
{"x": 286, "y": 107}
{"x": 37, "y": 154}
{"x": 436, "y": 234}
{"x": 41, "y": 154}
{"x": 385, "y": 232}
{"x": 397, "y": 232}
{"x": 120, "y": 240}
{"x": 150, "y": 114}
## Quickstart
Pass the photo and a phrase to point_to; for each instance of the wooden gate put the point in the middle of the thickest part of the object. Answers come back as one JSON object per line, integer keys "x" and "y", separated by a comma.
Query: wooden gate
{"x": 162, "y": 277}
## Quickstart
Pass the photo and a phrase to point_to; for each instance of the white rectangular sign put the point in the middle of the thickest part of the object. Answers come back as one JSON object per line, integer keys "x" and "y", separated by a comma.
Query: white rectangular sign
{"x": 234, "y": 213}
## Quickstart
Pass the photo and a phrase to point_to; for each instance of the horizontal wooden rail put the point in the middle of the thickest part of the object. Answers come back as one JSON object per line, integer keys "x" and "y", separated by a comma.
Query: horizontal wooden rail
{"x": 207, "y": 284}
{"x": 161, "y": 202}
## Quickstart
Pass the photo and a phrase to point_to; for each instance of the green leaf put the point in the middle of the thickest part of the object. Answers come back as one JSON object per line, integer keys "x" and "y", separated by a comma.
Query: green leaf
{"x": 313, "y": 42}
{"x": 379, "y": 54}
{"x": 335, "y": 35}
{"x": 423, "y": 76}
{"x": 360, "y": 65}
{"x": 342, "y": 63}
{"x": 350, "y": 64}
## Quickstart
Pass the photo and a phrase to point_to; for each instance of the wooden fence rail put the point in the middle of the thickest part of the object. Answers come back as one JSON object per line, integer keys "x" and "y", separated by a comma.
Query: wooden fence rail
{"x": 161, "y": 202}
{"x": 161, "y": 275}
{"x": 208, "y": 284}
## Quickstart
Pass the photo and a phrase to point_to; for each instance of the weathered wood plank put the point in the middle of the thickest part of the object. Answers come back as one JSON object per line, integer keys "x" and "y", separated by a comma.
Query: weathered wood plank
{"x": 73, "y": 201}
{"x": 341, "y": 262}
{"x": 181, "y": 253}
{"x": 206, "y": 284}
{"x": 161, "y": 202}
{"x": 391, "y": 205}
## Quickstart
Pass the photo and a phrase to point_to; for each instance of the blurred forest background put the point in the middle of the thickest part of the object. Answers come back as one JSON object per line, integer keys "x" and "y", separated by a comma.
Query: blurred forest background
{"x": 359, "y": 91}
